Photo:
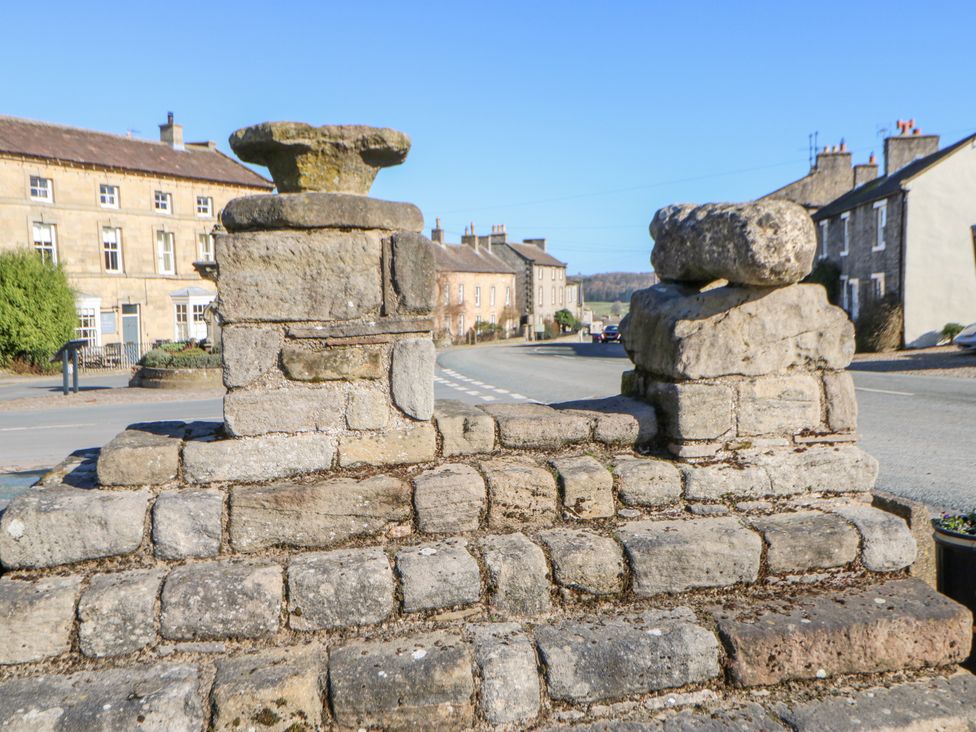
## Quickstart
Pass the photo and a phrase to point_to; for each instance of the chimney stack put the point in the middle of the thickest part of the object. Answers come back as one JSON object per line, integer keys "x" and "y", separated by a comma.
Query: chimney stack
{"x": 437, "y": 233}
{"x": 171, "y": 133}
{"x": 541, "y": 243}
{"x": 470, "y": 238}
{"x": 908, "y": 146}
{"x": 866, "y": 172}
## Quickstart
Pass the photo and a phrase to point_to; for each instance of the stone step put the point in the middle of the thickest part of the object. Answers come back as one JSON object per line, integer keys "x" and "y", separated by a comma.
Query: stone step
{"x": 59, "y": 524}
{"x": 936, "y": 704}
{"x": 900, "y": 624}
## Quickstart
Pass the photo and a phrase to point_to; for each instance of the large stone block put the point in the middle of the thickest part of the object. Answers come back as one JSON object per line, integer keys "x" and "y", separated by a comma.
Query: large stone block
{"x": 339, "y": 363}
{"x": 296, "y": 408}
{"x": 835, "y": 469}
{"x": 36, "y": 618}
{"x": 464, "y": 429}
{"x": 617, "y": 420}
{"x": 413, "y": 272}
{"x": 522, "y": 494}
{"x": 647, "y": 481}
{"x": 509, "y": 679}
{"x": 401, "y": 446}
{"x": 537, "y": 426}
{"x": 368, "y": 406}
{"x": 918, "y": 516}
{"x": 584, "y": 561}
{"x": 938, "y": 703}
{"x": 187, "y": 523}
{"x": 278, "y": 689}
{"x": 339, "y": 589}
{"x": 118, "y": 612}
{"x": 902, "y": 624}
{"x": 449, "y": 499}
{"x": 841, "y": 401}
{"x": 145, "y": 454}
{"x": 420, "y": 682}
{"x": 319, "y": 210}
{"x": 679, "y": 332}
{"x": 778, "y": 405}
{"x": 249, "y": 352}
{"x": 587, "y": 487}
{"x": 412, "y": 376}
{"x": 439, "y": 575}
{"x": 162, "y": 697}
{"x": 720, "y": 480}
{"x": 588, "y": 661}
{"x": 768, "y": 242}
{"x": 47, "y": 527}
{"x": 518, "y": 576}
{"x": 257, "y": 459}
{"x": 316, "y": 515}
{"x": 807, "y": 540}
{"x": 887, "y": 544}
{"x": 675, "y": 556}
{"x": 694, "y": 411}
{"x": 217, "y": 600}
{"x": 278, "y": 276}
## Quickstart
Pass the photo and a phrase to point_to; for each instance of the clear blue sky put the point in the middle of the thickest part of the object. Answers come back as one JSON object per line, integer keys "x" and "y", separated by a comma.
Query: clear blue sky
{"x": 572, "y": 121}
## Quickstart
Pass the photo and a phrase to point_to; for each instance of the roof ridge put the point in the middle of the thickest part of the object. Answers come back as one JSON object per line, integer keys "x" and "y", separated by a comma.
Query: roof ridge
{"x": 87, "y": 130}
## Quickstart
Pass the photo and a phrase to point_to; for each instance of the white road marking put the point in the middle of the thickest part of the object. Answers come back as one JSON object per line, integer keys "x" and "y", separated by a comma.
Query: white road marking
{"x": 488, "y": 398}
{"x": 46, "y": 427}
{"x": 517, "y": 396}
{"x": 472, "y": 393}
{"x": 501, "y": 391}
{"x": 884, "y": 391}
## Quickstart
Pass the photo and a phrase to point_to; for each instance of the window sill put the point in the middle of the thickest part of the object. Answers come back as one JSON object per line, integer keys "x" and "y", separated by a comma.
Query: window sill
{"x": 877, "y": 249}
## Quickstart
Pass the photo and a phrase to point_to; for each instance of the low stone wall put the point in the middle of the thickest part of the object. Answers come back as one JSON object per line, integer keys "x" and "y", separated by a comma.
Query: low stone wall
{"x": 156, "y": 378}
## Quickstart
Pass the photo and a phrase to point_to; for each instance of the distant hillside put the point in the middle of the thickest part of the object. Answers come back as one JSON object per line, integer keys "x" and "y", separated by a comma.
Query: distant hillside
{"x": 615, "y": 286}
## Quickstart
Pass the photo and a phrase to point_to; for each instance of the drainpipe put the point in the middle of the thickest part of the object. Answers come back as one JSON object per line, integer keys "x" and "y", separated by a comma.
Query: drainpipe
{"x": 902, "y": 265}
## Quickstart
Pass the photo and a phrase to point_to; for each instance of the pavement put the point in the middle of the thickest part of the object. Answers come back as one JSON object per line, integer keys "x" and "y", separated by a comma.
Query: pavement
{"x": 920, "y": 427}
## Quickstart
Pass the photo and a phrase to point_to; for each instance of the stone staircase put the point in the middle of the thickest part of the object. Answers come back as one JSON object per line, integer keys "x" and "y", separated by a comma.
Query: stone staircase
{"x": 343, "y": 553}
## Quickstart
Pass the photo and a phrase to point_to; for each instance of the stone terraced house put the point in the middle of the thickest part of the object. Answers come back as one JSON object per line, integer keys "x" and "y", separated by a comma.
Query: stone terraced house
{"x": 473, "y": 285}
{"x": 126, "y": 218}
{"x": 910, "y": 231}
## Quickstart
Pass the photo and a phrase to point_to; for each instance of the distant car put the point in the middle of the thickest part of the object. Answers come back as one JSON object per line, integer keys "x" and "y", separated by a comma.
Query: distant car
{"x": 610, "y": 334}
{"x": 966, "y": 337}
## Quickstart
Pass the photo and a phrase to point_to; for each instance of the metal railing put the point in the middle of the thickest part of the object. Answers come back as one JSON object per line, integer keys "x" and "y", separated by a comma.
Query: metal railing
{"x": 112, "y": 356}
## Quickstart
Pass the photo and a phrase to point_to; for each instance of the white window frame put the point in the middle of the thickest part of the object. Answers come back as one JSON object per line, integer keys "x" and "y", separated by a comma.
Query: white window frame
{"x": 89, "y": 311}
{"x": 508, "y": 295}
{"x": 460, "y": 294}
{"x": 539, "y": 269}
{"x": 844, "y": 298}
{"x": 855, "y": 288}
{"x": 477, "y": 296}
{"x": 163, "y": 202}
{"x": 845, "y": 220}
{"x": 491, "y": 296}
{"x": 494, "y": 320}
{"x": 554, "y": 296}
{"x": 540, "y": 301}
{"x": 41, "y": 189}
{"x": 189, "y": 317}
{"x": 163, "y": 238}
{"x": 205, "y": 247}
{"x": 48, "y": 249}
{"x": 880, "y": 224}
{"x": 460, "y": 324}
{"x": 447, "y": 295}
{"x": 108, "y": 195}
{"x": 553, "y": 274}
{"x": 181, "y": 322}
{"x": 205, "y": 211}
{"x": 878, "y": 285}
{"x": 824, "y": 229}
{"x": 116, "y": 232}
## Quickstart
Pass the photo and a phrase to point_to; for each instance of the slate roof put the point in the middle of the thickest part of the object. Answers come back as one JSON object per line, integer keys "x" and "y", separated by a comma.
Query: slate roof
{"x": 47, "y": 141}
{"x": 886, "y": 185}
{"x": 463, "y": 258}
{"x": 536, "y": 255}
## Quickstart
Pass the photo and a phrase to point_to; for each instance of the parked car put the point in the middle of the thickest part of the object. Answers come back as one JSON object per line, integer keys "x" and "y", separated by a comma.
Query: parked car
{"x": 610, "y": 334}
{"x": 966, "y": 337}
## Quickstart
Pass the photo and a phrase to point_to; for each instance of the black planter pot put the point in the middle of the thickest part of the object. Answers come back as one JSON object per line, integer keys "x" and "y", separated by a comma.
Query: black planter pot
{"x": 955, "y": 556}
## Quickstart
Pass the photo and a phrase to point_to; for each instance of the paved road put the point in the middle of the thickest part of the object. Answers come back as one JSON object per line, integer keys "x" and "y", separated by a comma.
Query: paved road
{"x": 921, "y": 428}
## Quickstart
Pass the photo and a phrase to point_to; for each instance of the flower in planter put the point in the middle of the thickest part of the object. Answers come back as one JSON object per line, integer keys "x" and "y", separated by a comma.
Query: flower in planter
{"x": 958, "y": 523}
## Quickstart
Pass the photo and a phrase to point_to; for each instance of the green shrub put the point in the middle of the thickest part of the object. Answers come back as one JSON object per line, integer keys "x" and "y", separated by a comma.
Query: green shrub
{"x": 879, "y": 326}
{"x": 950, "y": 331}
{"x": 189, "y": 358}
{"x": 826, "y": 272}
{"x": 37, "y": 309}
{"x": 566, "y": 319}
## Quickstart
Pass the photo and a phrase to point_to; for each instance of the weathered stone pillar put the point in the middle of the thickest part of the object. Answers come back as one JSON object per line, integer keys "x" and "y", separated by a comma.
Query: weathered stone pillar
{"x": 743, "y": 363}
{"x": 325, "y": 297}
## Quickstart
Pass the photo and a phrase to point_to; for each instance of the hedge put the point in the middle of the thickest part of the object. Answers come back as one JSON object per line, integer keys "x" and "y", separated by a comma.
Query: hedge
{"x": 190, "y": 358}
